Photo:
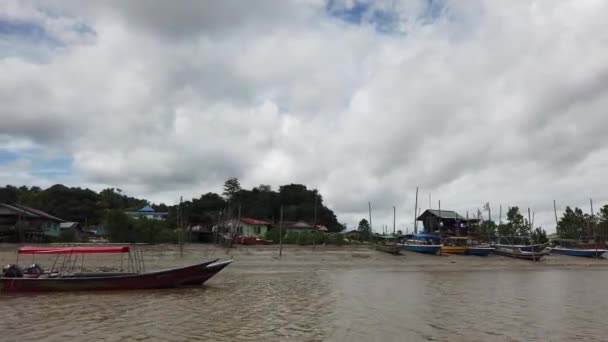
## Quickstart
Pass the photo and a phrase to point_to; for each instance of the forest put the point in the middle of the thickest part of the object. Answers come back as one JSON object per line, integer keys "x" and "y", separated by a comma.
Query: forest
{"x": 108, "y": 206}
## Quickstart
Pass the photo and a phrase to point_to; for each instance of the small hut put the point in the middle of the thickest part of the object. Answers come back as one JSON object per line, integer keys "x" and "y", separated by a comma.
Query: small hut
{"x": 448, "y": 223}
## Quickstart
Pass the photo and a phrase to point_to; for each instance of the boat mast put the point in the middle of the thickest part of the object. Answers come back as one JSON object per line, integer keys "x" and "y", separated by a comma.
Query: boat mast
{"x": 416, "y": 212}
{"x": 281, "y": 232}
{"x": 314, "y": 224}
{"x": 369, "y": 204}
{"x": 394, "y": 220}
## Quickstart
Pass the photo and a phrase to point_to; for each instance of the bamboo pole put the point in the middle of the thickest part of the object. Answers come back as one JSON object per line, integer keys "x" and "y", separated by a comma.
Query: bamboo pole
{"x": 439, "y": 217}
{"x": 281, "y": 233}
{"x": 394, "y": 220}
{"x": 314, "y": 224}
{"x": 593, "y": 227}
{"x": 369, "y": 204}
{"x": 415, "y": 213}
{"x": 555, "y": 212}
{"x": 181, "y": 229}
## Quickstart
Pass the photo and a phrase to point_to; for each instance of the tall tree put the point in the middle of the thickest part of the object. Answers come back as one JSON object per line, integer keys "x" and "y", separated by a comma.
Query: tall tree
{"x": 572, "y": 224}
{"x": 539, "y": 235}
{"x": 231, "y": 187}
{"x": 364, "y": 228}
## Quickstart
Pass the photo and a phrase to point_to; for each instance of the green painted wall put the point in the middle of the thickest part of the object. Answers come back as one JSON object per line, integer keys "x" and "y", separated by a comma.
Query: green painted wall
{"x": 51, "y": 229}
{"x": 251, "y": 230}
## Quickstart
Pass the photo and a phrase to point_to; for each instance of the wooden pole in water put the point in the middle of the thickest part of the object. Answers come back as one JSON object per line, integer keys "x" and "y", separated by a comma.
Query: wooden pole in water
{"x": 314, "y": 224}
{"x": 555, "y": 212}
{"x": 489, "y": 212}
{"x": 439, "y": 217}
{"x": 394, "y": 220}
{"x": 429, "y": 200}
{"x": 415, "y": 213}
{"x": 369, "y": 204}
{"x": 181, "y": 229}
{"x": 593, "y": 227}
{"x": 500, "y": 215}
{"x": 281, "y": 232}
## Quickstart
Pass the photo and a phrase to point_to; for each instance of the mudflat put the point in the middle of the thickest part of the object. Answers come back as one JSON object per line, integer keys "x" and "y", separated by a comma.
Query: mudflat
{"x": 325, "y": 293}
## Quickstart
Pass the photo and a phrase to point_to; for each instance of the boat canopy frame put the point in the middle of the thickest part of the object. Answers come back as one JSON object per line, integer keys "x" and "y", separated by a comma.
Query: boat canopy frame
{"x": 73, "y": 254}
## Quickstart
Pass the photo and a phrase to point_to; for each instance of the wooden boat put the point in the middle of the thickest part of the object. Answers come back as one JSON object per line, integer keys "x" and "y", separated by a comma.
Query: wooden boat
{"x": 527, "y": 252}
{"x": 454, "y": 245}
{"x": 465, "y": 245}
{"x": 34, "y": 279}
{"x": 421, "y": 243}
{"x": 588, "y": 253}
{"x": 479, "y": 250}
{"x": 576, "y": 248}
{"x": 389, "y": 248}
{"x": 474, "y": 247}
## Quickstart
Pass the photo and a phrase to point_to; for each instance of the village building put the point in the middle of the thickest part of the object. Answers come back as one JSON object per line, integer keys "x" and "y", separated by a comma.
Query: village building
{"x": 21, "y": 223}
{"x": 447, "y": 223}
{"x": 250, "y": 227}
{"x": 298, "y": 227}
{"x": 149, "y": 213}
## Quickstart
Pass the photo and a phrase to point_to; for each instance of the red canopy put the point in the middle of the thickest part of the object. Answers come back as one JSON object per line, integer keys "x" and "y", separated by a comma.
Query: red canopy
{"x": 73, "y": 250}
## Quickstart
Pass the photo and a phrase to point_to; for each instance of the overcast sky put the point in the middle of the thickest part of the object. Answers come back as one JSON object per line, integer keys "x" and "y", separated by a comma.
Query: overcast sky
{"x": 473, "y": 101}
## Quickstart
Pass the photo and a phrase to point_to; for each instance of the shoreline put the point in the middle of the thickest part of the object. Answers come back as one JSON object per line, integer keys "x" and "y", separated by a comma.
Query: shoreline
{"x": 265, "y": 259}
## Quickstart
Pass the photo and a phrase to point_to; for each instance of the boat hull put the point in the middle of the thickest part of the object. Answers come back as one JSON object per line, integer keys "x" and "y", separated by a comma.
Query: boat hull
{"x": 426, "y": 249}
{"x": 453, "y": 249}
{"x": 189, "y": 275}
{"x": 391, "y": 249}
{"x": 520, "y": 254}
{"x": 480, "y": 251}
{"x": 588, "y": 253}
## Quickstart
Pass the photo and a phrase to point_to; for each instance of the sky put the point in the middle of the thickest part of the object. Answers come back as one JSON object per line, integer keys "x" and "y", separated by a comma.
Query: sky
{"x": 474, "y": 102}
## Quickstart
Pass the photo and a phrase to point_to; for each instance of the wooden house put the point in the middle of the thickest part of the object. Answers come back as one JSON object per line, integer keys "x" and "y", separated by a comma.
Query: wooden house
{"x": 448, "y": 223}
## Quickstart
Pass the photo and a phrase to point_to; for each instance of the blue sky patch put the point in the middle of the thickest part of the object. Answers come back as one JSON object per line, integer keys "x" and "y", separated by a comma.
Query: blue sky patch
{"x": 41, "y": 164}
{"x": 28, "y": 31}
{"x": 385, "y": 21}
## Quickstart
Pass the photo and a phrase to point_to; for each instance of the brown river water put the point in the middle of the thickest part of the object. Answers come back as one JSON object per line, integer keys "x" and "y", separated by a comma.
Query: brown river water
{"x": 329, "y": 294}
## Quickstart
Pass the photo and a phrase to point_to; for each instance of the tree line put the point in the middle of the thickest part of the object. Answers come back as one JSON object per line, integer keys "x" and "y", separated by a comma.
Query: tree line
{"x": 108, "y": 208}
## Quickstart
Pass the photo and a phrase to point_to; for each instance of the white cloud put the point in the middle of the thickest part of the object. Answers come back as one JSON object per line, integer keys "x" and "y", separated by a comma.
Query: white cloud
{"x": 499, "y": 102}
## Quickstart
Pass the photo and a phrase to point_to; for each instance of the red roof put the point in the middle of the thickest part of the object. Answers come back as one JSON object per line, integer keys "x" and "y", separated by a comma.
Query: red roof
{"x": 255, "y": 222}
{"x": 72, "y": 250}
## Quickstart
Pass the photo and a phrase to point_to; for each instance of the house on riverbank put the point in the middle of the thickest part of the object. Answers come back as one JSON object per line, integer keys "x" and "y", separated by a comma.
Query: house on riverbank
{"x": 149, "y": 213}
{"x": 21, "y": 223}
{"x": 250, "y": 227}
{"x": 448, "y": 223}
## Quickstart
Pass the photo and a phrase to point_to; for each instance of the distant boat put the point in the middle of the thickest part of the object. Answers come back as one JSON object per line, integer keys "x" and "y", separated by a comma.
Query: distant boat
{"x": 465, "y": 245}
{"x": 527, "y": 252}
{"x": 454, "y": 245}
{"x": 421, "y": 243}
{"x": 575, "y": 248}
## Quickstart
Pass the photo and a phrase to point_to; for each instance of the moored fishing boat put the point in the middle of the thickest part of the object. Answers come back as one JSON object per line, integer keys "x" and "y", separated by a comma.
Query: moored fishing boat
{"x": 421, "y": 243}
{"x": 575, "y": 248}
{"x": 474, "y": 247}
{"x": 479, "y": 250}
{"x": 34, "y": 278}
{"x": 454, "y": 245}
{"x": 529, "y": 252}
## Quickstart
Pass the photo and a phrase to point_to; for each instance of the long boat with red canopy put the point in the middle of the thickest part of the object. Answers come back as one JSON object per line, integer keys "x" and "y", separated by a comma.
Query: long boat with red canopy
{"x": 63, "y": 276}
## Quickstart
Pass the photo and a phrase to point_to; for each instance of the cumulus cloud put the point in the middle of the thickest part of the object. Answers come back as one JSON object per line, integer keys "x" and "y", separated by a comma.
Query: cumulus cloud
{"x": 365, "y": 100}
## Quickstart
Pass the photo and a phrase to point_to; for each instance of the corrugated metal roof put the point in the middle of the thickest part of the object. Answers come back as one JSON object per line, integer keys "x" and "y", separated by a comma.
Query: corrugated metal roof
{"x": 254, "y": 222}
{"x": 38, "y": 212}
{"x": 444, "y": 214}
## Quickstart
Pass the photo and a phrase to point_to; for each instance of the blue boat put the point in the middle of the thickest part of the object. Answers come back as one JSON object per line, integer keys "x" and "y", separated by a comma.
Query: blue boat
{"x": 578, "y": 248}
{"x": 479, "y": 250}
{"x": 420, "y": 243}
{"x": 414, "y": 247}
{"x": 588, "y": 253}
